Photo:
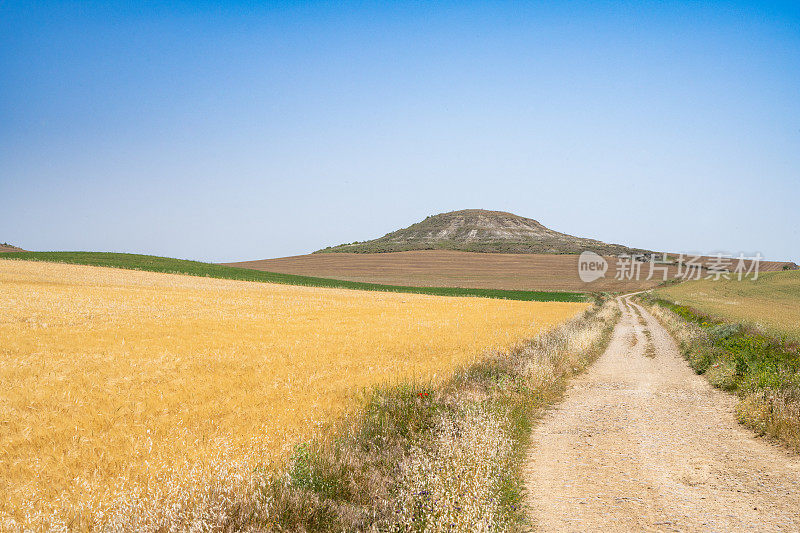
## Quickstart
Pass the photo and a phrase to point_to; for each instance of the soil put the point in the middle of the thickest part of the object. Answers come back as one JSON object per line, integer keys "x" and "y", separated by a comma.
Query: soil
{"x": 447, "y": 268}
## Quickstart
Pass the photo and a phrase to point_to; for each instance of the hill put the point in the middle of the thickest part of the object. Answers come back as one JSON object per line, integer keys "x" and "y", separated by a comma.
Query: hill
{"x": 5, "y": 247}
{"x": 478, "y": 230}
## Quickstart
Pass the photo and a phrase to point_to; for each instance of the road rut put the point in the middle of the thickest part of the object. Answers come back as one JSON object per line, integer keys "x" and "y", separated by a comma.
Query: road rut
{"x": 642, "y": 443}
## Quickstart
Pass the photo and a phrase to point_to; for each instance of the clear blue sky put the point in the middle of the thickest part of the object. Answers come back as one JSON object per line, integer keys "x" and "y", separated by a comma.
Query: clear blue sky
{"x": 227, "y": 131}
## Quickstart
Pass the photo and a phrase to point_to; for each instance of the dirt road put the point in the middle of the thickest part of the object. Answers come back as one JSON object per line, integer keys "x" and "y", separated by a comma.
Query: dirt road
{"x": 641, "y": 443}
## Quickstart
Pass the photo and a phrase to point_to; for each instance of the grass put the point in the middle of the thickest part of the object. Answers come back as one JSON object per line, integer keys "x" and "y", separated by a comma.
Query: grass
{"x": 138, "y": 394}
{"x": 762, "y": 370}
{"x": 650, "y": 348}
{"x": 152, "y": 263}
{"x": 770, "y": 303}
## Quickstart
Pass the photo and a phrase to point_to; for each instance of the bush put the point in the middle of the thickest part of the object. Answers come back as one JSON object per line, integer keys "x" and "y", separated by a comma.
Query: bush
{"x": 762, "y": 370}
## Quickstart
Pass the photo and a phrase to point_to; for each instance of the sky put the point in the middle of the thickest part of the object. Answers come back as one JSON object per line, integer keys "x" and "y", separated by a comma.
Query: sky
{"x": 232, "y": 131}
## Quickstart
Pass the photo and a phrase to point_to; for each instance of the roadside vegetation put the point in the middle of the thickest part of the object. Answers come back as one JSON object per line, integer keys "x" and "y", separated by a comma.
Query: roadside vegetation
{"x": 196, "y": 268}
{"x": 416, "y": 457}
{"x": 762, "y": 370}
{"x": 650, "y": 348}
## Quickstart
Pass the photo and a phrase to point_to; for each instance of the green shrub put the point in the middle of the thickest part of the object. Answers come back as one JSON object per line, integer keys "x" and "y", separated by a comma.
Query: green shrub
{"x": 764, "y": 371}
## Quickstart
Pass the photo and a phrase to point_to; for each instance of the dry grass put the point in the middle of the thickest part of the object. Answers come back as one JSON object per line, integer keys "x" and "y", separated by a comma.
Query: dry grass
{"x": 453, "y": 484}
{"x": 685, "y": 333}
{"x": 446, "y": 458}
{"x": 771, "y": 303}
{"x": 122, "y": 388}
{"x": 773, "y": 413}
{"x": 466, "y": 478}
{"x": 650, "y": 348}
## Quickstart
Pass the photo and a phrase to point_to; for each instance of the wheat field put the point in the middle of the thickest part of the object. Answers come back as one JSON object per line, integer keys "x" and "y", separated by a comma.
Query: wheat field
{"x": 117, "y": 386}
{"x": 770, "y": 303}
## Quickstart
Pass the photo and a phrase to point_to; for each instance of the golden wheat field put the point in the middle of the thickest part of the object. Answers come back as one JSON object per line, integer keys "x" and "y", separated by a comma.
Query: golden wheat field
{"x": 117, "y": 385}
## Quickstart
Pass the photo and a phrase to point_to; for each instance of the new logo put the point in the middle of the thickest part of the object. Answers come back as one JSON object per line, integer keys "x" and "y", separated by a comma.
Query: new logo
{"x": 591, "y": 266}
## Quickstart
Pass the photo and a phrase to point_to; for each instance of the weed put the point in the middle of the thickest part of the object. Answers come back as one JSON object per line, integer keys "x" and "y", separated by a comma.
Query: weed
{"x": 762, "y": 370}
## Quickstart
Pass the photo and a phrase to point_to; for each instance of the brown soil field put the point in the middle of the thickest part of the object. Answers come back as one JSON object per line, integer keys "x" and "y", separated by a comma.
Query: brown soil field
{"x": 763, "y": 266}
{"x": 447, "y": 268}
{"x": 9, "y": 248}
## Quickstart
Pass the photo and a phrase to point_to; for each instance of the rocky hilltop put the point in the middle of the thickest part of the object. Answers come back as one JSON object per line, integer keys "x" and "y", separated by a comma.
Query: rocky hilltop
{"x": 478, "y": 230}
{"x": 5, "y": 247}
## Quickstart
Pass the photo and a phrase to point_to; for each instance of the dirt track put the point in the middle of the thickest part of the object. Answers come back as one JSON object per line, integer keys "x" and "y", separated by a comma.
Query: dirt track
{"x": 644, "y": 444}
